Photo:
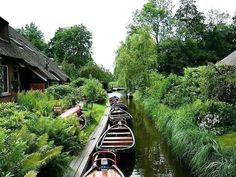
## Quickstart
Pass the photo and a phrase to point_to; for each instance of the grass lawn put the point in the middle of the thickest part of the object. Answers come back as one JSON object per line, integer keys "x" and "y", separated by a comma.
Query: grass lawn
{"x": 228, "y": 140}
{"x": 95, "y": 114}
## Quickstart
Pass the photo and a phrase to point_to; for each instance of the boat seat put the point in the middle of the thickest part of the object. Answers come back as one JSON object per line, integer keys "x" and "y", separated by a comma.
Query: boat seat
{"x": 117, "y": 142}
{"x": 115, "y": 138}
{"x": 114, "y": 146}
{"x": 119, "y": 133}
{"x": 119, "y": 128}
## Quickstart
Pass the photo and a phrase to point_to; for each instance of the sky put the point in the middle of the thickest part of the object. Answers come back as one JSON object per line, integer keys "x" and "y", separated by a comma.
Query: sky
{"x": 106, "y": 19}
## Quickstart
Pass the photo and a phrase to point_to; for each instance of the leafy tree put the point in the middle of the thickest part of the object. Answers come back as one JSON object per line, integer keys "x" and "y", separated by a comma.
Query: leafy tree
{"x": 190, "y": 22}
{"x": 93, "y": 91}
{"x": 135, "y": 59}
{"x": 73, "y": 45}
{"x": 91, "y": 69}
{"x": 156, "y": 14}
{"x": 34, "y": 35}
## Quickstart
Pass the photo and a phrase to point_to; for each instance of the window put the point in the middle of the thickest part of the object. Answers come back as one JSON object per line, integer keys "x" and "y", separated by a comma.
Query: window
{"x": 4, "y": 79}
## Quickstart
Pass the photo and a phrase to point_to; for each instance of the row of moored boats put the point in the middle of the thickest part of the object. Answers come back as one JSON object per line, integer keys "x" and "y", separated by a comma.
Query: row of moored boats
{"x": 116, "y": 140}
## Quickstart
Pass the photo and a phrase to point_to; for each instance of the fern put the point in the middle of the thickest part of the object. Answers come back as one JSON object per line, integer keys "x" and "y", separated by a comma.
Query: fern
{"x": 42, "y": 141}
{"x": 50, "y": 154}
{"x": 32, "y": 161}
{"x": 31, "y": 174}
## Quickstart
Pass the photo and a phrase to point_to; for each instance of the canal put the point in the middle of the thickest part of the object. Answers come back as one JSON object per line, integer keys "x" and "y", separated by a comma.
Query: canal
{"x": 152, "y": 156}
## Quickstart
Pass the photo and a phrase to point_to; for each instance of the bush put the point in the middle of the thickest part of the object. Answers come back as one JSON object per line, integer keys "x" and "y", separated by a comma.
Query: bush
{"x": 63, "y": 131}
{"x": 66, "y": 92}
{"x": 78, "y": 82}
{"x": 93, "y": 91}
{"x": 38, "y": 101}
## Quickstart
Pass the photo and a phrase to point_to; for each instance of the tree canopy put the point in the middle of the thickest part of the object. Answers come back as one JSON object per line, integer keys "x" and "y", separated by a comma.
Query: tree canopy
{"x": 73, "y": 45}
{"x": 34, "y": 35}
{"x": 188, "y": 38}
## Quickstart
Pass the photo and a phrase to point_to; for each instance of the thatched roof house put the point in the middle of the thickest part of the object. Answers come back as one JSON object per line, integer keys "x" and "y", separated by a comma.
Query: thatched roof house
{"x": 23, "y": 66}
{"x": 229, "y": 60}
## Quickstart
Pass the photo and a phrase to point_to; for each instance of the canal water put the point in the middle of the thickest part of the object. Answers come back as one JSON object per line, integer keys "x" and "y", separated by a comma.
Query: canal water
{"x": 152, "y": 156}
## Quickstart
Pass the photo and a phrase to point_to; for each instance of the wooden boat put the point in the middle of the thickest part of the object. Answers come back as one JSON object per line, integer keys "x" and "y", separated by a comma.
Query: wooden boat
{"x": 118, "y": 138}
{"x": 104, "y": 165}
{"x": 76, "y": 110}
{"x": 117, "y": 114}
{"x": 120, "y": 105}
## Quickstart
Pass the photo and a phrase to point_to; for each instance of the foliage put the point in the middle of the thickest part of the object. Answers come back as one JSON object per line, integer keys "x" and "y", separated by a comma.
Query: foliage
{"x": 33, "y": 140}
{"x": 135, "y": 59}
{"x": 38, "y": 101}
{"x": 72, "y": 44}
{"x": 194, "y": 111}
{"x": 93, "y": 91}
{"x": 67, "y": 128}
{"x": 190, "y": 22}
{"x": 94, "y": 116}
{"x": 18, "y": 156}
{"x": 92, "y": 70}
{"x": 78, "y": 82}
{"x": 188, "y": 38}
{"x": 68, "y": 93}
{"x": 34, "y": 35}
{"x": 156, "y": 14}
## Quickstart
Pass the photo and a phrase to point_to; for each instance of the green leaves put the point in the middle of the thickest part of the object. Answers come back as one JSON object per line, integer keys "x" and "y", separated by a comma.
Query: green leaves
{"x": 135, "y": 59}
{"x": 34, "y": 35}
{"x": 72, "y": 45}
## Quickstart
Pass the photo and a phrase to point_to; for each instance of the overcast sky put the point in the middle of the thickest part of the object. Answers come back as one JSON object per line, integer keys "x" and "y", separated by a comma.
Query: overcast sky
{"x": 106, "y": 19}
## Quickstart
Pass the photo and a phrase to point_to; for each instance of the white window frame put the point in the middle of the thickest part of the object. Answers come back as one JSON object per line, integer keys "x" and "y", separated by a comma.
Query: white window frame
{"x": 7, "y": 92}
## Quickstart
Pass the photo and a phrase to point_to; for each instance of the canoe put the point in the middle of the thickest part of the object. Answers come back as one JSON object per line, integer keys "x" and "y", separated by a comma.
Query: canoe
{"x": 76, "y": 110}
{"x": 118, "y": 138}
{"x": 117, "y": 114}
{"x": 71, "y": 111}
{"x": 104, "y": 164}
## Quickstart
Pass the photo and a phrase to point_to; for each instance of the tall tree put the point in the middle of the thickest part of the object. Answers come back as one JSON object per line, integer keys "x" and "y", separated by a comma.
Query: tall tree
{"x": 34, "y": 35}
{"x": 157, "y": 15}
{"x": 190, "y": 22}
{"x": 73, "y": 45}
{"x": 135, "y": 60}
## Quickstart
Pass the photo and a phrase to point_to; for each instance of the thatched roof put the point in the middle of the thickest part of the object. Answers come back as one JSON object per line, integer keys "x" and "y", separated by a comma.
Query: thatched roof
{"x": 20, "y": 49}
{"x": 229, "y": 60}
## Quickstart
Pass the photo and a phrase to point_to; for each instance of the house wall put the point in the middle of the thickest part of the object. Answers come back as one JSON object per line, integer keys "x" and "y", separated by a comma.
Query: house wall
{"x": 27, "y": 79}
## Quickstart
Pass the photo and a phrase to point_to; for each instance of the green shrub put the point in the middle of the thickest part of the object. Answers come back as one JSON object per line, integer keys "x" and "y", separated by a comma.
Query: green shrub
{"x": 66, "y": 92}
{"x": 78, "y": 82}
{"x": 93, "y": 91}
{"x": 63, "y": 131}
{"x": 38, "y": 101}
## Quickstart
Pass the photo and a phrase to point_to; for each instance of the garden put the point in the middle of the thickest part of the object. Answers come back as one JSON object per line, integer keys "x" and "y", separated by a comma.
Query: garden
{"x": 34, "y": 141}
